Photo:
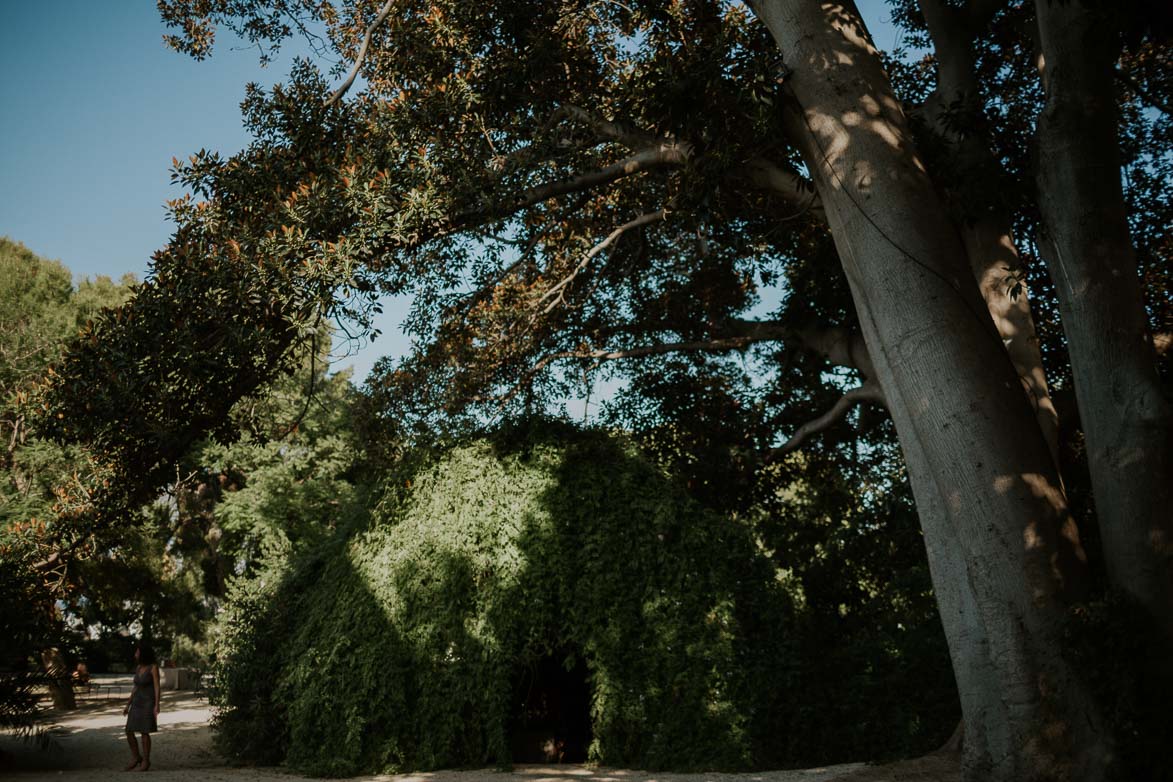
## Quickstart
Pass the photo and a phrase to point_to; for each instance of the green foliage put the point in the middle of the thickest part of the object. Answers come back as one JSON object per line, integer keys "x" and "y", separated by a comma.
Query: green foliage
{"x": 291, "y": 490}
{"x": 866, "y": 647}
{"x": 19, "y": 694}
{"x": 1112, "y": 643}
{"x": 39, "y": 309}
{"x": 398, "y": 647}
{"x": 870, "y": 652}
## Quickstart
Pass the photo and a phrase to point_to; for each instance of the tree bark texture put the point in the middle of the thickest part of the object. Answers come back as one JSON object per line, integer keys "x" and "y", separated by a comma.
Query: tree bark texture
{"x": 60, "y": 685}
{"x": 988, "y": 236}
{"x": 1004, "y": 551}
{"x": 1127, "y": 420}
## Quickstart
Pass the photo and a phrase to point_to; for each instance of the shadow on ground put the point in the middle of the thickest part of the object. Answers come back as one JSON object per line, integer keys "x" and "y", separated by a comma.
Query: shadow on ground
{"x": 92, "y": 737}
{"x": 89, "y": 746}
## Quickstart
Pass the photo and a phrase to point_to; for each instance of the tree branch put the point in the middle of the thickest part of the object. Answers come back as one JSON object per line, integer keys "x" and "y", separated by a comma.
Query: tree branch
{"x": 787, "y": 183}
{"x": 663, "y": 155}
{"x": 763, "y": 173}
{"x": 470, "y": 300}
{"x": 978, "y": 13}
{"x": 868, "y": 392}
{"x": 362, "y": 53}
{"x": 707, "y": 345}
{"x": 557, "y": 291}
{"x": 634, "y": 138}
{"x": 838, "y": 345}
{"x": 1145, "y": 96}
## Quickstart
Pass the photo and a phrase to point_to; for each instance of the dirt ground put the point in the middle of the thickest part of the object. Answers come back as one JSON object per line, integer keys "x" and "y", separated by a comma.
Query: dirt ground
{"x": 89, "y": 745}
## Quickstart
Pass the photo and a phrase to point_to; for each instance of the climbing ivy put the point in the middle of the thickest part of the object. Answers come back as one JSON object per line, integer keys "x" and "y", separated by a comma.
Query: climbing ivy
{"x": 399, "y": 645}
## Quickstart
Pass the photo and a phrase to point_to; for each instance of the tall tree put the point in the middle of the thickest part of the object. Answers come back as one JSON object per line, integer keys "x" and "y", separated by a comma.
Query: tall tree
{"x": 570, "y": 185}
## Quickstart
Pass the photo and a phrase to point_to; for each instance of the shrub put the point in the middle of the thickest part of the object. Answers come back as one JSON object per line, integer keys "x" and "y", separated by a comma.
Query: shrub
{"x": 406, "y": 644}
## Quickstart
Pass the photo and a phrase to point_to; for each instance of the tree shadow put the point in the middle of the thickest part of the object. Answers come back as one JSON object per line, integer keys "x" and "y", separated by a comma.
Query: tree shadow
{"x": 93, "y": 737}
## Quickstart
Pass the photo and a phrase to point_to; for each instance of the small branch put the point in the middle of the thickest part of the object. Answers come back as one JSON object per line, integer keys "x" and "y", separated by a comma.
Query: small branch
{"x": 470, "y": 300}
{"x": 605, "y": 130}
{"x": 612, "y": 131}
{"x": 978, "y": 13}
{"x": 708, "y": 346}
{"x": 1145, "y": 96}
{"x": 362, "y": 53}
{"x": 868, "y": 392}
{"x": 557, "y": 291}
{"x": 787, "y": 183}
{"x": 666, "y": 154}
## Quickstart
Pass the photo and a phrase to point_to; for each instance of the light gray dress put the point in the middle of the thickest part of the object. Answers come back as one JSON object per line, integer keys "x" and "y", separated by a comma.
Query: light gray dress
{"x": 141, "y": 717}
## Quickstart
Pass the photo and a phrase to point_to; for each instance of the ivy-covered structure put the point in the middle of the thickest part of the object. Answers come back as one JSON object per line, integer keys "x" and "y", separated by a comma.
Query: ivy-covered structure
{"x": 523, "y": 597}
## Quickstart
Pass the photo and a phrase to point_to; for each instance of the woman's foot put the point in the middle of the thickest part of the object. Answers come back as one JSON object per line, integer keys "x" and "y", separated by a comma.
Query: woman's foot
{"x": 133, "y": 765}
{"x": 146, "y": 766}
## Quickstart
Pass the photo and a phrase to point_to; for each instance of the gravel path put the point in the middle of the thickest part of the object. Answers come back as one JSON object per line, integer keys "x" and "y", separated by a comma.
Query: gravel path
{"x": 89, "y": 745}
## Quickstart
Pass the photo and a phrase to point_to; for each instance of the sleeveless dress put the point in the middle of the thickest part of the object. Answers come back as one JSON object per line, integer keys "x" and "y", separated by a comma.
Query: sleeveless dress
{"x": 141, "y": 717}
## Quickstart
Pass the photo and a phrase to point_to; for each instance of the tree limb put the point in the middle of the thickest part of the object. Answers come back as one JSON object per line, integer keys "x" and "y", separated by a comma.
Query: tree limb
{"x": 557, "y": 291}
{"x": 634, "y": 138}
{"x": 787, "y": 183}
{"x": 1145, "y": 96}
{"x": 838, "y": 345}
{"x": 706, "y": 345}
{"x": 470, "y": 300}
{"x": 978, "y": 13}
{"x": 362, "y": 53}
{"x": 762, "y": 173}
{"x": 868, "y": 392}
{"x": 667, "y": 153}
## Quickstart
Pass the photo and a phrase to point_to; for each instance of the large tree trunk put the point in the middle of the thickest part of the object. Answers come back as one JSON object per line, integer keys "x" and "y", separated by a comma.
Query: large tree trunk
{"x": 985, "y": 227}
{"x": 968, "y": 435}
{"x": 1127, "y": 421}
{"x": 60, "y": 684}
{"x": 986, "y": 731}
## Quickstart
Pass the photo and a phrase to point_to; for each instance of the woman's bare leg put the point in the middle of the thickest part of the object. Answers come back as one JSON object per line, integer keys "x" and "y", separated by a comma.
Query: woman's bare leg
{"x": 146, "y": 752}
{"x": 133, "y": 751}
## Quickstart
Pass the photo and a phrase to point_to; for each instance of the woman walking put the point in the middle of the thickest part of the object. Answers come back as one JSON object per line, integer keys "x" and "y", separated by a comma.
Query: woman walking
{"x": 142, "y": 709}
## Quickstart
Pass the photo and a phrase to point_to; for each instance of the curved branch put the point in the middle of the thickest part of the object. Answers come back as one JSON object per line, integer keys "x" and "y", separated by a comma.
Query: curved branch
{"x": 868, "y": 392}
{"x": 705, "y": 345}
{"x": 607, "y": 129}
{"x": 556, "y": 291}
{"x": 1146, "y": 96}
{"x": 838, "y": 345}
{"x": 789, "y": 184}
{"x": 663, "y": 155}
{"x": 362, "y": 53}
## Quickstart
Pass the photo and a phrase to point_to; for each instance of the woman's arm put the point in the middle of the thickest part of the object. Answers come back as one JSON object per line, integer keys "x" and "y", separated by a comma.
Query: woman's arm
{"x": 155, "y": 676}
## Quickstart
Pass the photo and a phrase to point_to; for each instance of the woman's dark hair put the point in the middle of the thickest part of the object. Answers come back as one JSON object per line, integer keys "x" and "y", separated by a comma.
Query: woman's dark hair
{"x": 146, "y": 655}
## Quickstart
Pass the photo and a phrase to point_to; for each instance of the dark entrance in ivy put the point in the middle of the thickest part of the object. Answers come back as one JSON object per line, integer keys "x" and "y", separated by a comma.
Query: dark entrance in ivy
{"x": 551, "y": 711}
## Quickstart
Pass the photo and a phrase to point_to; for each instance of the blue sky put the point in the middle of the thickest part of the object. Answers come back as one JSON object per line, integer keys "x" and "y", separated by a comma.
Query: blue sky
{"x": 94, "y": 108}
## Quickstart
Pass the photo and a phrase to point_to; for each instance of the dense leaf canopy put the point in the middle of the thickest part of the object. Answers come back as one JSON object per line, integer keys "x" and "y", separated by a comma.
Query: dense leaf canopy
{"x": 559, "y": 186}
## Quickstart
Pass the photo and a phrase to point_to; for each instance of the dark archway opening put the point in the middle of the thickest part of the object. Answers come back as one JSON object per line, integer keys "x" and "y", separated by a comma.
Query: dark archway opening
{"x": 551, "y": 711}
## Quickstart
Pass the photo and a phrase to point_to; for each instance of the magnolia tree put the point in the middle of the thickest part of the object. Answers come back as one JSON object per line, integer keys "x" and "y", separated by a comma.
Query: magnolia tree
{"x": 565, "y": 187}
